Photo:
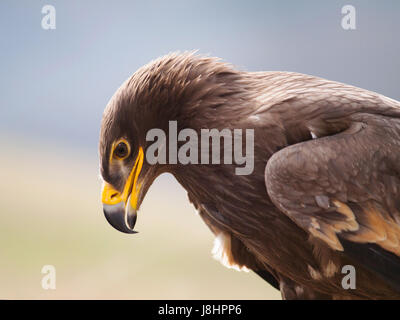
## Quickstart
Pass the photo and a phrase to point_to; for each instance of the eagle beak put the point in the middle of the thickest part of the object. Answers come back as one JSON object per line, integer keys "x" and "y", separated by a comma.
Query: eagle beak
{"x": 121, "y": 220}
{"x": 120, "y": 209}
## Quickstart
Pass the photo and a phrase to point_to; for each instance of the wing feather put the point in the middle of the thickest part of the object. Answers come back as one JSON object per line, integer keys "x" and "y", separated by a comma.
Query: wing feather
{"x": 344, "y": 189}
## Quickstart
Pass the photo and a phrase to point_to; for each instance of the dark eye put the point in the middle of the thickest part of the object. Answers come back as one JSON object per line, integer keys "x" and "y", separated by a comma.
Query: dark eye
{"x": 121, "y": 151}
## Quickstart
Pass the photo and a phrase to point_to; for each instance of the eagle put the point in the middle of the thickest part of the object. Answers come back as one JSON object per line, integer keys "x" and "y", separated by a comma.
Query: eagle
{"x": 324, "y": 193}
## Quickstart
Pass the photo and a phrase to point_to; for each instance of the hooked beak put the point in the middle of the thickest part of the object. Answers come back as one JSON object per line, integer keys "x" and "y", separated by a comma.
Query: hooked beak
{"x": 120, "y": 209}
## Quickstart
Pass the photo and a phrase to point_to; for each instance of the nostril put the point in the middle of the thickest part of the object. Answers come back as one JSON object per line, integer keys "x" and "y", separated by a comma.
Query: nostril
{"x": 114, "y": 195}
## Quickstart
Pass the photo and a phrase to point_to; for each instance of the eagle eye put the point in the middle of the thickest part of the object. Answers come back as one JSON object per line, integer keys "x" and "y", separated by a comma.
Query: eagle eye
{"x": 121, "y": 150}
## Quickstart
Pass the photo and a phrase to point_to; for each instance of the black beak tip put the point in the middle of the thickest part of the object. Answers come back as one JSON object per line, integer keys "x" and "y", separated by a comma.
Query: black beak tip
{"x": 131, "y": 220}
{"x": 115, "y": 215}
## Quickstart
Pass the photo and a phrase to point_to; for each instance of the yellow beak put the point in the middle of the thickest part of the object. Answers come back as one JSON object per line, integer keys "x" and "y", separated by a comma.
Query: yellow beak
{"x": 120, "y": 208}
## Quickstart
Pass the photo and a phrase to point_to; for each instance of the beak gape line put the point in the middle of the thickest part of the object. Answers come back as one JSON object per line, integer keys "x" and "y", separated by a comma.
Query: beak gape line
{"x": 120, "y": 209}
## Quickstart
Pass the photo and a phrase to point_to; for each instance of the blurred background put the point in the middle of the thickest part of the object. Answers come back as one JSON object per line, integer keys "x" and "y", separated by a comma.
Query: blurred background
{"x": 54, "y": 87}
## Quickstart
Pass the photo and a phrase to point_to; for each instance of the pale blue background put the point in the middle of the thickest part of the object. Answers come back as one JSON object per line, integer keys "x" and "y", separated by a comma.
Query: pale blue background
{"x": 55, "y": 84}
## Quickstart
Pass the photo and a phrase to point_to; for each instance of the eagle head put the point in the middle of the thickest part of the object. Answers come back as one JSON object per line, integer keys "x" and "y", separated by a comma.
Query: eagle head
{"x": 176, "y": 87}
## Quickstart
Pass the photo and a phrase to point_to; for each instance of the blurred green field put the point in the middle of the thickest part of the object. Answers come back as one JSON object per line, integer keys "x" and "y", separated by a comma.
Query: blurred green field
{"x": 51, "y": 214}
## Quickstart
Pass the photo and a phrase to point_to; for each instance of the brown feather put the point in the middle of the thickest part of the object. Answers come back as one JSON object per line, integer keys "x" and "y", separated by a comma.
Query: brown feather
{"x": 305, "y": 195}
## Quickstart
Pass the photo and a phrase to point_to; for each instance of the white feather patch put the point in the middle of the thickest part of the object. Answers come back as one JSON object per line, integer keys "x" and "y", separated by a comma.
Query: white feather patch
{"x": 313, "y": 135}
{"x": 222, "y": 252}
